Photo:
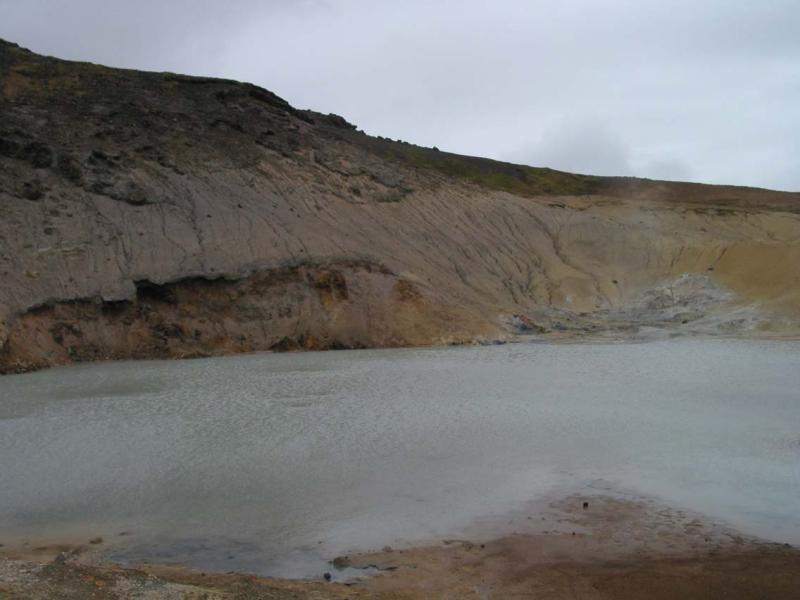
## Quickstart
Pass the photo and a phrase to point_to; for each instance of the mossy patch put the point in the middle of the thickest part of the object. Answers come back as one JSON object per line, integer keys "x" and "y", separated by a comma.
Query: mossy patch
{"x": 516, "y": 179}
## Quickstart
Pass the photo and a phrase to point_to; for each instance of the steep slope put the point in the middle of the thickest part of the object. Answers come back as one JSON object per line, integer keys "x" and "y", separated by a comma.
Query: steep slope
{"x": 156, "y": 215}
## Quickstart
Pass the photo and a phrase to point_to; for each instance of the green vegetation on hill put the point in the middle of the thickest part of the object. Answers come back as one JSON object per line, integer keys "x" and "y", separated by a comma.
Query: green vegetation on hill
{"x": 516, "y": 179}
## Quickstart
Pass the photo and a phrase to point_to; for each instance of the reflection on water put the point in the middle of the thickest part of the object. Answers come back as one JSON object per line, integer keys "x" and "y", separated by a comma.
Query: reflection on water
{"x": 273, "y": 463}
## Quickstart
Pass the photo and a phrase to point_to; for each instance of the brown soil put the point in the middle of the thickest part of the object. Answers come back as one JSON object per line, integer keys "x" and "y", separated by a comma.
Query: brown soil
{"x": 613, "y": 549}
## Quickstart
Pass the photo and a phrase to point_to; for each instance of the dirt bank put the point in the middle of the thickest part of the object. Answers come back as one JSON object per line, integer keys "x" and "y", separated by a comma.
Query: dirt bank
{"x": 158, "y": 215}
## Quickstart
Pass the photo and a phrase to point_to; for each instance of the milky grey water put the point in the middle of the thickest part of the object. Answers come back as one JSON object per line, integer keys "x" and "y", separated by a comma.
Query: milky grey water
{"x": 274, "y": 462}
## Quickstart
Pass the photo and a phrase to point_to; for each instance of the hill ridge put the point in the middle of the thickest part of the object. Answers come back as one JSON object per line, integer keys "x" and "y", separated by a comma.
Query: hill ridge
{"x": 156, "y": 215}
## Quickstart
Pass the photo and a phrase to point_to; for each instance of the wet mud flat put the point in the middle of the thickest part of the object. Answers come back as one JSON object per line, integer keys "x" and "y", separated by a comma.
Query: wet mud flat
{"x": 579, "y": 546}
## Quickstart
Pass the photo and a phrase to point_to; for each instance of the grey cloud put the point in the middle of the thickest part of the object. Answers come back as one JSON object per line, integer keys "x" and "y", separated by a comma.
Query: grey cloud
{"x": 671, "y": 88}
{"x": 672, "y": 169}
{"x": 580, "y": 146}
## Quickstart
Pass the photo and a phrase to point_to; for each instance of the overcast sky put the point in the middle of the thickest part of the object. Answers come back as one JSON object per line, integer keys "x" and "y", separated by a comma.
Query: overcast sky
{"x": 673, "y": 89}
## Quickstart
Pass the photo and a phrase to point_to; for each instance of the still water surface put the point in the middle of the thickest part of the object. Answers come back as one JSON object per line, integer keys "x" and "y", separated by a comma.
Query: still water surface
{"x": 274, "y": 462}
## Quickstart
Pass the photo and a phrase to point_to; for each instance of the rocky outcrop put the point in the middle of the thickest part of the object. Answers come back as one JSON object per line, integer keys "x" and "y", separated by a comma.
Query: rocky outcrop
{"x": 154, "y": 215}
{"x": 301, "y": 306}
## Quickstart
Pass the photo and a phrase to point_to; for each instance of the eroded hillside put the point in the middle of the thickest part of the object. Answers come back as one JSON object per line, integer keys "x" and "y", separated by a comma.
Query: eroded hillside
{"x": 158, "y": 215}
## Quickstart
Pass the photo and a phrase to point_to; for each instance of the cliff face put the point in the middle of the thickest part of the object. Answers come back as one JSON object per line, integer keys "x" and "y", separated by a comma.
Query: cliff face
{"x": 155, "y": 215}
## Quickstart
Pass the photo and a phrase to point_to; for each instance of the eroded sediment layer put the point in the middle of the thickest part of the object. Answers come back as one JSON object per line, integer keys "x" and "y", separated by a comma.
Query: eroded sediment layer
{"x": 298, "y": 307}
{"x": 111, "y": 178}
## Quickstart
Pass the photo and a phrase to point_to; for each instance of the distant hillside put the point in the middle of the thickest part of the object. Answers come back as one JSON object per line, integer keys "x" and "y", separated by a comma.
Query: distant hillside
{"x": 160, "y": 215}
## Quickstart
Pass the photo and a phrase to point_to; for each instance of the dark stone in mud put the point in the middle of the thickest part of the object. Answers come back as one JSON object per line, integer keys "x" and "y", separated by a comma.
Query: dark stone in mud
{"x": 120, "y": 189}
{"x": 69, "y": 169}
{"x": 524, "y": 324}
{"x": 31, "y": 190}
{"x": 39, "y": 155}
{"x": 285, "y": 344}
{"x": 8, "y": 148}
